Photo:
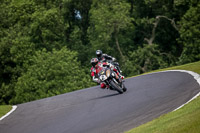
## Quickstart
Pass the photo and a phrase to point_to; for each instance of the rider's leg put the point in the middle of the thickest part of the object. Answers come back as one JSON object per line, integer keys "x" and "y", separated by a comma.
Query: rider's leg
{"x": 118, "y": 73}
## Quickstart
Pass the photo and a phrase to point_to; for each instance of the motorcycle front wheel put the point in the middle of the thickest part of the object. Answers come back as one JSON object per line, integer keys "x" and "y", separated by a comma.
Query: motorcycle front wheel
{"x": 124, "y": 87}
{"x": 116, "y": 87}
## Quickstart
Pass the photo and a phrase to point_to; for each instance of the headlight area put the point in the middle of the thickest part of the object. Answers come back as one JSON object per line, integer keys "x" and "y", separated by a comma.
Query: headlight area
{"x": 103, "y": 77}
{"x": 108, "y": 73}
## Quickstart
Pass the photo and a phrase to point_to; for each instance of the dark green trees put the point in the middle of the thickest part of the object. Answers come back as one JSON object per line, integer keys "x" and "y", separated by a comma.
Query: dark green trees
{"x": 52, "y": 73}
{"x": 41, "y": 41}
{"x": 190, "y": 34}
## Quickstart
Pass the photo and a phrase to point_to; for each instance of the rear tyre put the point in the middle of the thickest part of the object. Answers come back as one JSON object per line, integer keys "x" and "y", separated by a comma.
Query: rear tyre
{"x": 116, "y": 87}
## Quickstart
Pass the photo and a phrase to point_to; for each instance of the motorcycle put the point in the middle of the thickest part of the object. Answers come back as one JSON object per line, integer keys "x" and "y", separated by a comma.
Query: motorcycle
{"x": 111, "y": 79}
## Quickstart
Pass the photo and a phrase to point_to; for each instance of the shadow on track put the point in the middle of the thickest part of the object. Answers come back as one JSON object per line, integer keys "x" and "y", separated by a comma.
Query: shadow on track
{"x": 106, "y": 96}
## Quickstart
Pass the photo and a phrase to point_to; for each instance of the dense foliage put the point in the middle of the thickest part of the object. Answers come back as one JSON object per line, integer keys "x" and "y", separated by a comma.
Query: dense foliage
{"x": 46, "y": 46}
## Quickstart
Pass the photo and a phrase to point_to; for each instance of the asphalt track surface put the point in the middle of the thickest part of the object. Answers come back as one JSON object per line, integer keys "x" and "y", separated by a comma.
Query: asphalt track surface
{"x": 94, "y": 110}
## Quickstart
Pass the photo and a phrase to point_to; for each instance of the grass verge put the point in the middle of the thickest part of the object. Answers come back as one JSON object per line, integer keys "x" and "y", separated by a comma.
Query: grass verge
{"x": 4, "y": 109}
{"x": 184, "y": 120}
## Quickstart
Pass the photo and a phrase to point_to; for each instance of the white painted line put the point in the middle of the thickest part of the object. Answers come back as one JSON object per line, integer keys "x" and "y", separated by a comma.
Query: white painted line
{"x": 196, "y": 77}
{"x": 188, "y": 101}
{"x": 13, "y": 109}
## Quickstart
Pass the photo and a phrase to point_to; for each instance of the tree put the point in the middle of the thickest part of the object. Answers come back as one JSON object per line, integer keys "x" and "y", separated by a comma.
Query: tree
{"x": 15, "y": 46}
{"x": 52, "y": 73}
{"x": 77, "y": 21}
{"x": 108, "y": 18}
{"x": 144, "y": 59}
{"x": 47, "y": 28}
{"x": 156, "y": 24}
{"x": 142, "y": 34}
{"x": 190, "y": 34}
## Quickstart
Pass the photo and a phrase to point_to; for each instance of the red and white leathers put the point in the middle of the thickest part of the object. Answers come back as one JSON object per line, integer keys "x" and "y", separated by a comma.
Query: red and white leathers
{"x": 104, "y": 58}
{"x": 95, "y": 70}
{"x": 94, "y": 73}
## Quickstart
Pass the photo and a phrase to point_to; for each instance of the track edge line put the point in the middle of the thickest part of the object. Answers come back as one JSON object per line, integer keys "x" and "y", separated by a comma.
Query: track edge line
{"x": 12, "y": 110}
{"x": 196, "y": 77}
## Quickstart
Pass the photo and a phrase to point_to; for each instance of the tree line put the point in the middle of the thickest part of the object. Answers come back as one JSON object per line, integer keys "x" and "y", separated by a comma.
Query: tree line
{"x": 46, "y": 45}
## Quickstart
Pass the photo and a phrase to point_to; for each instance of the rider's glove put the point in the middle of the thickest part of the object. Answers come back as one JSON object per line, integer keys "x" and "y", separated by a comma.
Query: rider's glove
{"x": 97, "y": 81}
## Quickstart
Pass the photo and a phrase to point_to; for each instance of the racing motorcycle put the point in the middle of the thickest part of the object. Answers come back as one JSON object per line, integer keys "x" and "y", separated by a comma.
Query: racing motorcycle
{"x": 111, "y": 79}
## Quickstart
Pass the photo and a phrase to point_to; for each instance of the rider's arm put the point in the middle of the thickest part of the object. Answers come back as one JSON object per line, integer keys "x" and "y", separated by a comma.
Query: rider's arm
{"x": 94, "y": 78}
{"x": 93, "y": 75}
{"x": 108, "y": 57}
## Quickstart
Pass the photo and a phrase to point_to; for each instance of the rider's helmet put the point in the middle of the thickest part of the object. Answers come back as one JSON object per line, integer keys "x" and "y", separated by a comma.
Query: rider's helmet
{"x": 99, "y": 53}
{"x": 94, "y": 61}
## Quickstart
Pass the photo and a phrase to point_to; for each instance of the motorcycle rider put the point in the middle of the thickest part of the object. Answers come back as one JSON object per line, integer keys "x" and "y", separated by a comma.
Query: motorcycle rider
{"x": 94, "y": 73}
{"x": 95, "y": 69}
{"x": 104, "y": 57}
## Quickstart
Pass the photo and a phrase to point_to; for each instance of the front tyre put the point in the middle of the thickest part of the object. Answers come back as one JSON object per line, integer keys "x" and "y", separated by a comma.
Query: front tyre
{"x": 116, "y": 87}
{"x": 124, "y": 87}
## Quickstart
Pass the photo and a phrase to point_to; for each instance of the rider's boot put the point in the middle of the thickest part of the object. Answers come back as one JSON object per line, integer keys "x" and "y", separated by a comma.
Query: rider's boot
{"x": 120, "y": 75}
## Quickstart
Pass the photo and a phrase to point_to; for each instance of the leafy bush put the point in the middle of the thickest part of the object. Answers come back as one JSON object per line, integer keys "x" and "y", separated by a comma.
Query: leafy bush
{"x": 52, "y": 73}
{"x": 145, "y": 59}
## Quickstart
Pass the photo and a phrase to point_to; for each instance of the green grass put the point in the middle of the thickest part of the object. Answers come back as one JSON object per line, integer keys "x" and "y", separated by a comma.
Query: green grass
{"x": 4, "y": 109}
{"x": 184, "y": 120}
{"x": 195, "y": 67}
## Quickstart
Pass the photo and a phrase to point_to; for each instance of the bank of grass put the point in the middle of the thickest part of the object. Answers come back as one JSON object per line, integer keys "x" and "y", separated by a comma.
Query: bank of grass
{"x": 195, "y": 67}
{"x": 4, "y": 109}
{"x": 184, "y": 120}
